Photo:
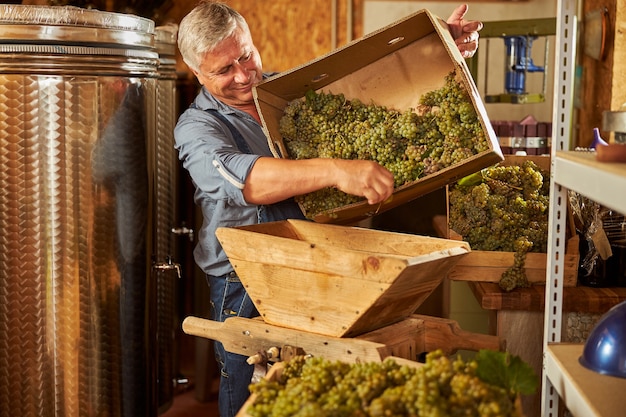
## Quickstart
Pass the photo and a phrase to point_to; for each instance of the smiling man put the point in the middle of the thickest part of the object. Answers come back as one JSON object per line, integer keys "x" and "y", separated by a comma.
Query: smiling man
{"x": 237, "y": 180}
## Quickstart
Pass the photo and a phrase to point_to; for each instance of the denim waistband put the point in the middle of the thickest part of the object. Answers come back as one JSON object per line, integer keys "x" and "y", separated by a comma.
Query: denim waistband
{"x": 231, "y": 274}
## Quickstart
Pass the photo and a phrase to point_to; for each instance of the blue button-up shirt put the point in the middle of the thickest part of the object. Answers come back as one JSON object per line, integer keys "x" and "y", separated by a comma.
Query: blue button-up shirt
{"x": 218, "y": 170}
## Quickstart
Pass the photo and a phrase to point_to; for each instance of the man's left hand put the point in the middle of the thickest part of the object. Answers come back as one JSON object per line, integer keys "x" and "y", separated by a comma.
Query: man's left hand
{"x": 464, "y": 32}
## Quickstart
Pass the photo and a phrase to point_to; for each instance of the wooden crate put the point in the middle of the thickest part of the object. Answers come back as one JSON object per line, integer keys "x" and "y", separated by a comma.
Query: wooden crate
{"x": 486, "y": 266}
{"x": 336, "y": 280}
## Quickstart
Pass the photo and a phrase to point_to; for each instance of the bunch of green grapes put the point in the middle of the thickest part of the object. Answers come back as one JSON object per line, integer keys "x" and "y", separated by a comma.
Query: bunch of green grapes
{"x": 441, "y": 131}
{"x": 503, "y": 208}
{"x": 324, "y": 388}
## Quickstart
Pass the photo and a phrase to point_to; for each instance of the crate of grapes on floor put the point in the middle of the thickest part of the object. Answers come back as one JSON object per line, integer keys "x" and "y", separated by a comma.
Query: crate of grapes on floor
{"x": 402, "y": 96}
{"x": 336, "y": 280}
{"x": 502, "y": 212}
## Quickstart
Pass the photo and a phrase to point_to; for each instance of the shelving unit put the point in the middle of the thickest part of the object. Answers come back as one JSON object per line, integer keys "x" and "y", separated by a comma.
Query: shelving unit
{"x": 585, "y": 393}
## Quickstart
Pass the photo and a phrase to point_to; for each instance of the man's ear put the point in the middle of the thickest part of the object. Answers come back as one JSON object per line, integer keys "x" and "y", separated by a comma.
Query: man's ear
{"x": 196, "y": 74}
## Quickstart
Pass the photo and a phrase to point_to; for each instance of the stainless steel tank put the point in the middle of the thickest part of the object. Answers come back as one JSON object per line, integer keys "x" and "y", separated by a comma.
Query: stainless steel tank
{"x": 79, "y": 134}
{"x": 166, "y": 270}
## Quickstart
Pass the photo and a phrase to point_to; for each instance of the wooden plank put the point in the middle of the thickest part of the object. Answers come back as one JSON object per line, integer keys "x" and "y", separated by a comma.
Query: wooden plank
{"x": 487, "y": 266}
{"x": 334, "y": 305}
{"x": 377, "y": 241}
{"x": 586, "y": 393}
{"x": 575, "y": 299}
{"x": 294, "y": 255}
{"x": 313, "y": 301}
{"x": 422, "y": 333}
{"x": 444, "y": 332}
{"x": 523, "y": 333}
{"x": 251, "y": 336}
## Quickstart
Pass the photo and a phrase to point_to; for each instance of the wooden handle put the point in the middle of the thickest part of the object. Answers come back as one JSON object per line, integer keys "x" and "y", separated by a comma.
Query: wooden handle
{"x": 251, "y": 336}
{"x": 197, "y": 326}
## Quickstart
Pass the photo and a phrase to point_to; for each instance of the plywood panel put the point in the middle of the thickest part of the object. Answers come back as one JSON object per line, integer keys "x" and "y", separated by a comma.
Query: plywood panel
{"x": 289, "y": 33}
{"x": 286, "y": 32}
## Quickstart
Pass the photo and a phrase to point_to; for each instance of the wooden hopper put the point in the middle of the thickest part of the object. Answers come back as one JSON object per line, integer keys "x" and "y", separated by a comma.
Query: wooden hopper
{"x": 336, "y": 280}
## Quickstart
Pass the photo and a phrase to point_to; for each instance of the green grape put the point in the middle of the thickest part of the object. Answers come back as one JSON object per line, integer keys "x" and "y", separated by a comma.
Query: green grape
{"x": 443, "y": 130}
{"x": 507, "y": 211}
{"x": 441, "y": 387}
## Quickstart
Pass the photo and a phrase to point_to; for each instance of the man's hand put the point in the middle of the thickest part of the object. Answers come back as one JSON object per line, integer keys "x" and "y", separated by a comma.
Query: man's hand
{"x": 464, "y": 32}
{"x": 364, "y": 178}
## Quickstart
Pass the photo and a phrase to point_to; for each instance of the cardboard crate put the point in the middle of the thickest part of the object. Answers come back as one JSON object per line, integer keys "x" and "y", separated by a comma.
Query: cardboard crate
{"x": 486, "y": 266}
{"x": 336, "y": 280}
{"x": 392, "y": 67}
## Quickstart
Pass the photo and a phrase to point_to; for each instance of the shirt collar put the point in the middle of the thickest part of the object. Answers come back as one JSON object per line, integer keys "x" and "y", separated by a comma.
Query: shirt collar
{"x": 206, "y": 101}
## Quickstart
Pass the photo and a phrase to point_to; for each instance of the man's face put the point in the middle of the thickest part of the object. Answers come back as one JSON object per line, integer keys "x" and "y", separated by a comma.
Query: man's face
{"x": 231, "y": 70}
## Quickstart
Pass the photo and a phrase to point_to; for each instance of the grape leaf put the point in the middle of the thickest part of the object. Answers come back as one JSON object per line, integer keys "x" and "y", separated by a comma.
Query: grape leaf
{"x": 507, "y": 371}
{"x": 470, "y": 180}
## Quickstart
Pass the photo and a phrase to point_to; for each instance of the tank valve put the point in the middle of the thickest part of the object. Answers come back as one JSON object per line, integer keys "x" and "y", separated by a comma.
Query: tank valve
{"x": 183, "y": 230}
{"x": 167, "y": 266}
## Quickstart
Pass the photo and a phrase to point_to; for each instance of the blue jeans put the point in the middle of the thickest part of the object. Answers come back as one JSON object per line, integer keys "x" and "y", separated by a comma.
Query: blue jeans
{"x": 230, "y": 299}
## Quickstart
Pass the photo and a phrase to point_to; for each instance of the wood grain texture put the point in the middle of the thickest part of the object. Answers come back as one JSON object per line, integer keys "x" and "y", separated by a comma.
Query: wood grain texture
{"x": 575, "y": 299}
{"x": 335, "y": 280}
{"x": 290, "y": 33}
{"x": 597, "y": 87}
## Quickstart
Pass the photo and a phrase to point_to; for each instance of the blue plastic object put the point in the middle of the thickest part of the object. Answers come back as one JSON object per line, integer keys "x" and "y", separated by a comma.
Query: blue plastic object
{"x": 605, "y": 348}
{"x": 518, "y": 63}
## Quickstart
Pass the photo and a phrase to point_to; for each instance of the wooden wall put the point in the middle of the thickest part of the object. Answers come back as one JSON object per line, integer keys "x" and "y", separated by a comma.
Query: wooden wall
{"x": 602, "y": 82}
{"x": 289, "y": 33}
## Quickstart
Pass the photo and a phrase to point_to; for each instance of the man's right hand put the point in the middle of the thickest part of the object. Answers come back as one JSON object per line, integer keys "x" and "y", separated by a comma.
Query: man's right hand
{"x": 364, "y": 178}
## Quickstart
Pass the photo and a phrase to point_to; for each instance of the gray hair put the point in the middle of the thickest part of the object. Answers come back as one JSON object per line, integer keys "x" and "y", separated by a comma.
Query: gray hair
{"x": 208, "y": 24}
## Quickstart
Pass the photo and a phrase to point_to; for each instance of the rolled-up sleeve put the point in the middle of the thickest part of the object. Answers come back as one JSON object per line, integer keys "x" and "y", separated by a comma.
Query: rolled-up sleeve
{"x": 208, "y": 151}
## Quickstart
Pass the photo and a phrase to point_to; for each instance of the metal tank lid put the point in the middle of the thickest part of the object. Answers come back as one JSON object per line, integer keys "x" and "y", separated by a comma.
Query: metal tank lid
{"x": 73, "y": 25}
{"x": 166, "y": 37}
